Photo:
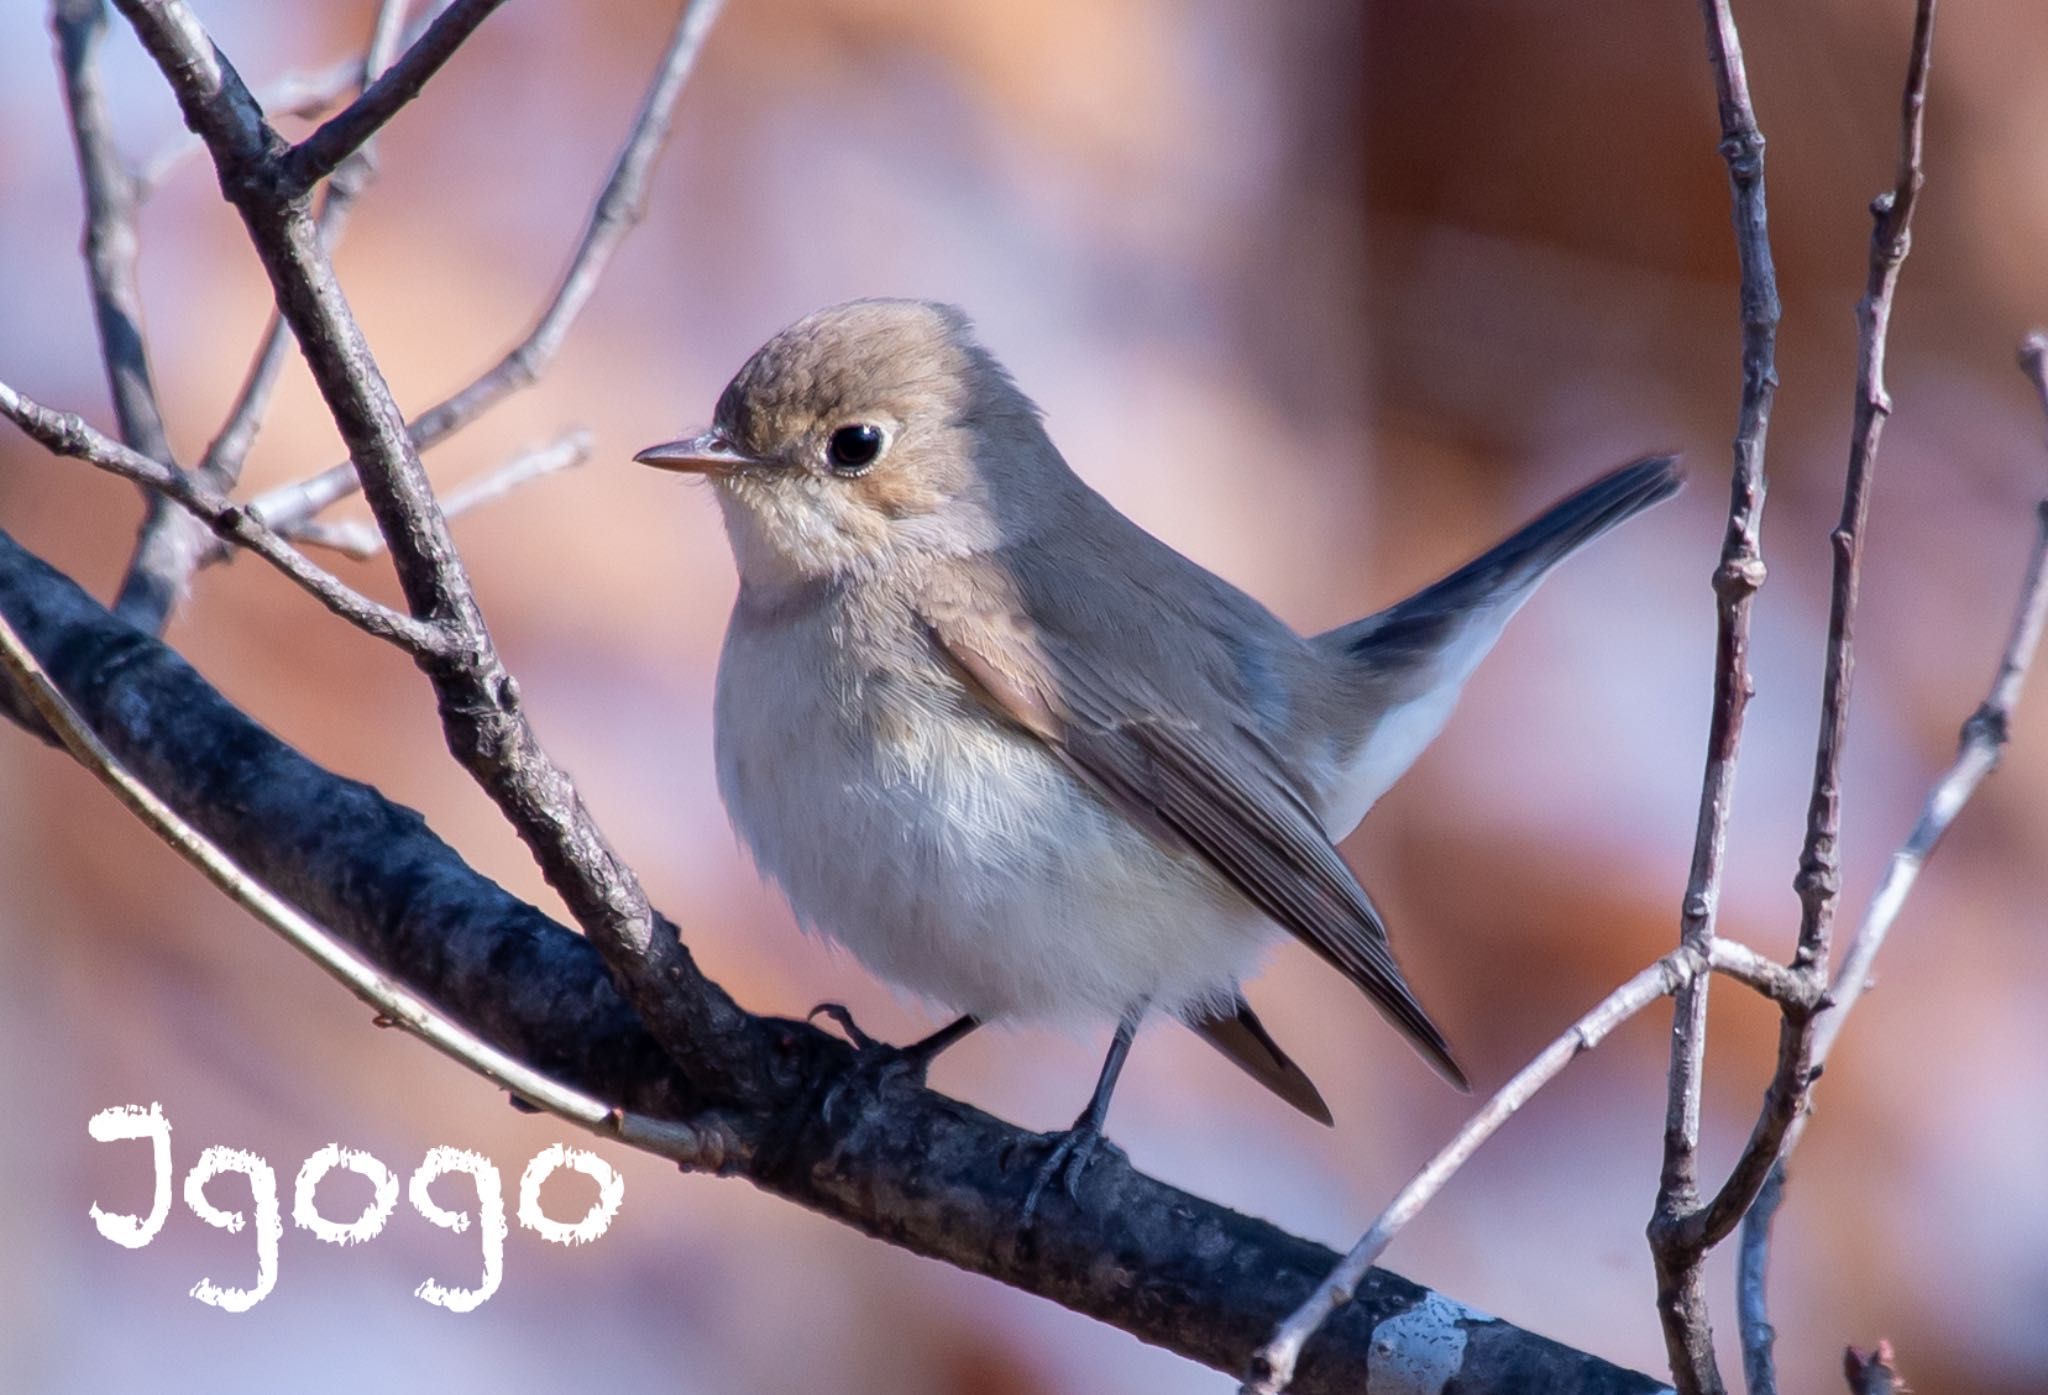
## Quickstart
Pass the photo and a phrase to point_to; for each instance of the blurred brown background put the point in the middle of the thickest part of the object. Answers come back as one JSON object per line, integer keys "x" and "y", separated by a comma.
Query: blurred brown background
{"x": 1327, "y": 295}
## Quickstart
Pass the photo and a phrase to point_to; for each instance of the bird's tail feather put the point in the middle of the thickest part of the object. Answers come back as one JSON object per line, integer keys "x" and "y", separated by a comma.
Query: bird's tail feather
{"x": 1516, "y": 563}
{"x": 1238, "y": 1034}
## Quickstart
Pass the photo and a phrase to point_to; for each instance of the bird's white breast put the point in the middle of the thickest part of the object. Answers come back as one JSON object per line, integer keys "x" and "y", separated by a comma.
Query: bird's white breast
{"x": 954, "y": 855}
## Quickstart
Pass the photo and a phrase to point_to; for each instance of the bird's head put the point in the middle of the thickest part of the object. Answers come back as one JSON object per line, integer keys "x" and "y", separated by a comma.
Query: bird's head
{"x": 866, "y": 435}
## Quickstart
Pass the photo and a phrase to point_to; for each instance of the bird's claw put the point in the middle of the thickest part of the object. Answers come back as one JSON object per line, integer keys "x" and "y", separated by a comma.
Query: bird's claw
{"x": 1070, "y": 1156}
{"x": 838, "y": 1013}
{"x": 875, "y": 1064}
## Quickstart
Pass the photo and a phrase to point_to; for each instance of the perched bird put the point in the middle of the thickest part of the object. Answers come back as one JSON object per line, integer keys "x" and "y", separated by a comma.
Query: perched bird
{"x": 1023, "y": 758}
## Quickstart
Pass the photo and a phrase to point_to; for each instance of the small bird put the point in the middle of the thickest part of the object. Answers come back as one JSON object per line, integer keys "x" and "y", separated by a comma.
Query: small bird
{"x": 1024, "y": 759}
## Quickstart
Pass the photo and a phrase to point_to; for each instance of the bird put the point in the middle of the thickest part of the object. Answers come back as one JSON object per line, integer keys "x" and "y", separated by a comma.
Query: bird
{"x": 1022, "y": 758}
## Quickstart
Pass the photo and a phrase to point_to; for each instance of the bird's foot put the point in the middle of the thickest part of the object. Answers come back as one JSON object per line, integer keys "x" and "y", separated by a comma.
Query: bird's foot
{"x": 876, "y": 1066}
{"x": 844, "y": 1019}
{"x": 1071, "y": 1153}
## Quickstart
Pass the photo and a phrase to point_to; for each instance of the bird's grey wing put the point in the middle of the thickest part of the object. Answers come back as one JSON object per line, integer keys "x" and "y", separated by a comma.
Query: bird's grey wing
{"x": 1240, "y": 1035}
{"x": 1219, "y": 794}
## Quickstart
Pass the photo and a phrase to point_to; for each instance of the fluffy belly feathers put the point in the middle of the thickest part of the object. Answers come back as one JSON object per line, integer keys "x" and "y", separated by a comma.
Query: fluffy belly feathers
{"x": 959, "y": 860}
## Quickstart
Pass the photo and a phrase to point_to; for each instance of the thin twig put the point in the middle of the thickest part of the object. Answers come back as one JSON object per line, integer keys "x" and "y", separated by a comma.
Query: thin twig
{"x": 617, "y": 209}
{"x": 1981, "y": 746}
{"x": 691, "y": 1147}
{"x": 321, "y": 153}
{"x": 1272, "y": 1366}
{"x": 707, "y": 1034}
{"x": 361, "y": 541}
{"x": 165, "y": 541}
{"x": 304, "y": 96}
{"x": 1681, "y": 1298}
{"x": 1767, "y": 976}
{"x": 1818, "y": 880}
{"x": 1752, "y": 1272}
{"x": 66, "y": 433}
{"x": 1682, "y": 1230}
{"x": 221, "y": 466}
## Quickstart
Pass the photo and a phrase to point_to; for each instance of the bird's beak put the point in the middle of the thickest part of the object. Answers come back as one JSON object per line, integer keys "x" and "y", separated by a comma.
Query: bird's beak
{"x": 709, "y": 453}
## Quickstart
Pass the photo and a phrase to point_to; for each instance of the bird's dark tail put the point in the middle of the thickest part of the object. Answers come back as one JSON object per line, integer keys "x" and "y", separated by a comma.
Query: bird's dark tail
{"x": 1244, "y": 1039}
{"x": 1508, "y": 569}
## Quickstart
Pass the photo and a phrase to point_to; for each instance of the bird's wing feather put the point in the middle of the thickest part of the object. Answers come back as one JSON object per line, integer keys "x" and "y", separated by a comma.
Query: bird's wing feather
{"x": 1219, "y": 794}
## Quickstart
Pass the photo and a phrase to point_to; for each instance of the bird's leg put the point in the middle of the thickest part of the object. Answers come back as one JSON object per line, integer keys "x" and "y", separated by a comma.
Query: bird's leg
{"x": 1070, "y": 1154}
{"x": 879, "y": 1064}
{"x": 921, "y": 1052}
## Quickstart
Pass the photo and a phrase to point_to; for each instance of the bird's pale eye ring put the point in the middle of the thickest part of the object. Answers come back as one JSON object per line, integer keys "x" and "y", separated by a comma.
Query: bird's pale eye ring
{"x": 854, "y": 449}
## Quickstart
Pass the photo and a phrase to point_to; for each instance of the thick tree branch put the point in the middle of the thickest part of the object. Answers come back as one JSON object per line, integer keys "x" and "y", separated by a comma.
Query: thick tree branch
{"x": 925, "y": 1172}
{"x": 695, "y": 1020}
{"x": 66, "y": 433}
{"x": 1681, "y": 1297}
{"x": 342, "y": 134}
{"x": 395, "y": 1004}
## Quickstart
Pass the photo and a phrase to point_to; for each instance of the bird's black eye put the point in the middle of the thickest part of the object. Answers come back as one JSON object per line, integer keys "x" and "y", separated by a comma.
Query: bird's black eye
{"x": 854, "y": 448}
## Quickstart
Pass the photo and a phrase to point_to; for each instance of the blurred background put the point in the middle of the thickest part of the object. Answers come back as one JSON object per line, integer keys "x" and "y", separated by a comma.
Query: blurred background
{"x": 1329, "y": 296}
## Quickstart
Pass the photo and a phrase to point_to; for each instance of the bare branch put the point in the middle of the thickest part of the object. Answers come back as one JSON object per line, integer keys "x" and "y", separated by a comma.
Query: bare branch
{"x": 110, "y": 238}
{"x": 66, "y": 433}
{"x": 321, "y": 153}
{"x": 1818, "y": 880}
{"x": 1773, "y": 980}
{"x": 302, "y": 95}
{"x": 166, "y": 540}
{"x": 1752, "y": 1306}
{"x": 1980, "y": 748}
{"x": 170, "y": 547}
{"x": 1272, "y": 1366}
{"x": 1982, "y": 745}
{"x": 694, "y": 1019}
{"x": 395, "y": 1004}
{"x": 222, "y": 464}
{"x": 361, "y": 541}
{"x": 1681, "y": 1299}
{"x": 617, "y": 209}
{"x": 1681, "y": 1229}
